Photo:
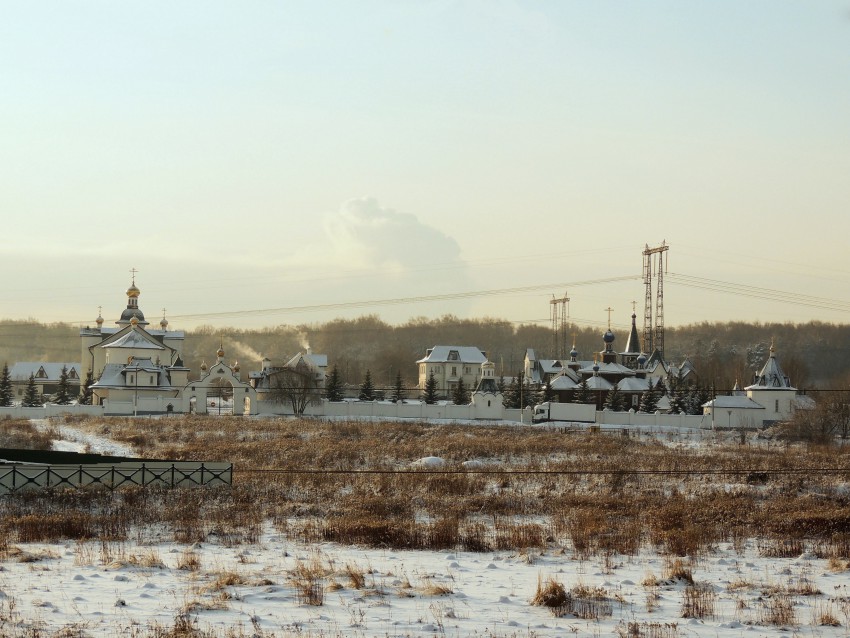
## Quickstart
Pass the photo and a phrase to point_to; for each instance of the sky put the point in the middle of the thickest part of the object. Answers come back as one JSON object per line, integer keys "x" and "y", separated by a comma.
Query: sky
{"x": 289, "y": 162}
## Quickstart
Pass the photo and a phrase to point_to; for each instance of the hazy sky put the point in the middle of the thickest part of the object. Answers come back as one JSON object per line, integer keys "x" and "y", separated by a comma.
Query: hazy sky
{"x": 257, "y": 157}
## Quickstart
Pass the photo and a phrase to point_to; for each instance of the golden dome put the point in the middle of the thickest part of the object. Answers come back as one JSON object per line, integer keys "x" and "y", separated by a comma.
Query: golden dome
{"x": 203, "y": 365}
{"x": 133, "y": 292}
{"x": 134, "y": 321}
{"x": 236, "y": 366}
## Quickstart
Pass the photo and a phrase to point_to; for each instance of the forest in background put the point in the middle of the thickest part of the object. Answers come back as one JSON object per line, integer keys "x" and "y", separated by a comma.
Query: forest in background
{"x": 813, "y": 354}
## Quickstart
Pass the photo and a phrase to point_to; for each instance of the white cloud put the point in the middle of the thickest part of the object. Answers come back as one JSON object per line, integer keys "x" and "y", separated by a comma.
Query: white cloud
{"x": 363, "y": 234}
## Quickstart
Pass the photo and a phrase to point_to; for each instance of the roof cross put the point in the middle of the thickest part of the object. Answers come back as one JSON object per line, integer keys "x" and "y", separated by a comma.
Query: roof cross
{"x": 609, "y": 310}
{"x": 133, "y": 271}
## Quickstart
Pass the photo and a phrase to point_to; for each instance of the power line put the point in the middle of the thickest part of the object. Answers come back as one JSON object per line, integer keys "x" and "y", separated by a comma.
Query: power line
{"x": 756, "y": 292}
{"x": 403, "y": 300}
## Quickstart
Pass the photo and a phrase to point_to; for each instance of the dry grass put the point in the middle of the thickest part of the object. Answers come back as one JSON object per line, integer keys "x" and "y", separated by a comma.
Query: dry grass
{"x": 677, "y": 569}
{"x": 698, "y": 601}
{"x": 23, "y": 434}
{"x": 777, "y": 610}
{"x": 591, "y": 515}
{"x": 307, "y": 579}
{"x": 550, "y": 593}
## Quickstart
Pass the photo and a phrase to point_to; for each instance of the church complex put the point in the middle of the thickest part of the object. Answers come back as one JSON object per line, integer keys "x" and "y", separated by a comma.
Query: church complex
{"x": 135, "y": 368}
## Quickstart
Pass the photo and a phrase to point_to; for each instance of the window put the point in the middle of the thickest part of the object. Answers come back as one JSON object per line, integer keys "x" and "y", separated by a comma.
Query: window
{"x": 151, "y": 379}
{"x": 466, "y": 369}
{"x": 453, "y": 355}
{"x": 777, "y": 406}
{"x": 454, "y": 371}
{"x": 132, "y": 379}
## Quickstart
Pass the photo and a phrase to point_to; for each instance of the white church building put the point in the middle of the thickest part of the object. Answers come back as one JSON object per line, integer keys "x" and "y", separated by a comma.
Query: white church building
{"x": 135, "y": 369}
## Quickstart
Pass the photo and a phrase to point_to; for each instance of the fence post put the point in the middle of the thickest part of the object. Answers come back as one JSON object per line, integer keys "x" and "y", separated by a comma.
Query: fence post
{"x": 143, "y": 474}
{"x": 202, "y": 473}
{"x": 172, "y": 475}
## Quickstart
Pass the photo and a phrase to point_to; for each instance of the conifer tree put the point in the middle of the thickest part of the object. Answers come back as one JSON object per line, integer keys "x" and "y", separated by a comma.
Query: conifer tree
{"x": 87, "y": 394}
{"x": 460, "y": 395}
{"x": 677, "y": 403}
{"x": 333, "y": 386}
{"x": 367, "y": 388}
{"x": 582, "y": 393}
{"x": 510, "y": 397}
{"x": 31, "y": 398}
{"x": 63, "y": 395}
{"x": 429, "y": 396}
{"x": 6, "y": 395}
{"x": 648, "y": 401}
{"x": 546, "y": 393}
{"x": 614, "y": 400}
{"x": 398, "y": 390}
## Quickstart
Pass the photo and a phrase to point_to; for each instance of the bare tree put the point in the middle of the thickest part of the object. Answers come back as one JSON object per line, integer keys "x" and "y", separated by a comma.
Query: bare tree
{"x": 295, "y": 385}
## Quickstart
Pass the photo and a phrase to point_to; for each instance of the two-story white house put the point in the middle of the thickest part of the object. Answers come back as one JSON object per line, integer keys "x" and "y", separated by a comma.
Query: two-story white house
{"x": 450, "y": 364}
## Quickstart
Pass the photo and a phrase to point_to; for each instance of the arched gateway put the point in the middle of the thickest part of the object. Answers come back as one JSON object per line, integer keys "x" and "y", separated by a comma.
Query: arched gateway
{"x": 199, "y": 395}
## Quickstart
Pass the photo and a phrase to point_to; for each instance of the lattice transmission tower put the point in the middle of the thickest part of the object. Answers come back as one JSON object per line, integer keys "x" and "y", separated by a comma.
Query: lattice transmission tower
{"x": 653, "y": 332}
{"x": 560, "y": 311}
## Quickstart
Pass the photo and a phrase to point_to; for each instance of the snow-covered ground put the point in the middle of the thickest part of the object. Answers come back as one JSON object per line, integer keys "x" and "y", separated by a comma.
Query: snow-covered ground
{"x": 110, "y": 589}
{"x": 107, "y": 589}
{"x": 77, "y": 440}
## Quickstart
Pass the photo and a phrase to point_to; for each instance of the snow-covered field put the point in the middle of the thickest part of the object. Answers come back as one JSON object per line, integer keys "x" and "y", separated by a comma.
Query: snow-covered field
{"x": 109, "y": 589}
{"x": 273, "y": 587}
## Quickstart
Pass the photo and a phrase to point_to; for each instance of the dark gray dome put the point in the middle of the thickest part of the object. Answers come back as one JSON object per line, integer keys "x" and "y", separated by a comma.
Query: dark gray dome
{"x": 129, "y": 313}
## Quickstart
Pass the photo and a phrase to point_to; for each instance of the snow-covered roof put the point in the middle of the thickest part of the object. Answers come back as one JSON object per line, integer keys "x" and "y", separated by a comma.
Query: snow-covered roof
{"x": 134, "y": 339}
{"x": 771, "y": 376}
{"x": 733, "y": 403}
{"x": 113, "y": 375}
{"x": 461, "y": 354}
{"x": 50, "y": 371}
{"x": 562, "y": 382}
{"x": 633, "y": 384}
{"x": 487, "y": 384}
{"x": 599, "y": 383}
{"x": 315, "y": 361}
{"x": 609, "y": 369}
{"x": 551, "y": 366}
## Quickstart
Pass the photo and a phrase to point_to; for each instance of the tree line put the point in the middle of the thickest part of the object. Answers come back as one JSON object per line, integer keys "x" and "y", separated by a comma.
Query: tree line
{"x": 813, "y": 354}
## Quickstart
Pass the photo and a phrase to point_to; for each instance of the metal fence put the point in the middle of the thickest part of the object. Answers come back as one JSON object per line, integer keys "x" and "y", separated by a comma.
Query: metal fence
{"x": 17, "y": 477}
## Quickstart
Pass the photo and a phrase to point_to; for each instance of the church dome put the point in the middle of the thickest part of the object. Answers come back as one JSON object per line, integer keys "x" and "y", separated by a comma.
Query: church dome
{"x": 132, "y": 291}
{"x": 133, "y": 313}
{"x": 204, "y": 366}
{"x": 608, "y": 337}
{"x": 641, "y": 360}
